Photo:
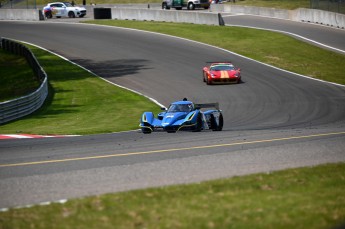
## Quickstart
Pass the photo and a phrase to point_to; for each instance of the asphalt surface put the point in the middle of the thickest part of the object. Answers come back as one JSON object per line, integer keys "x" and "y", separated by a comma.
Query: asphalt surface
{"x": 317, "y": 34}
{"x": 274, "y": 120}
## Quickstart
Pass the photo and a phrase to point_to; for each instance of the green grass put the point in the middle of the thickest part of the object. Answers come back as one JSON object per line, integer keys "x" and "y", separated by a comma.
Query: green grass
{"x": 80, "y": 103}
{"x": 296, "y": 198}
{"x": 16, "y": 76}
{"x": 269, "y": 47}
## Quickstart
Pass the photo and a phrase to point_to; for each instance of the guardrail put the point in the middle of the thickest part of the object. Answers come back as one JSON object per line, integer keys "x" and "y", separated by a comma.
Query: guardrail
{"x": 25, "y": 105}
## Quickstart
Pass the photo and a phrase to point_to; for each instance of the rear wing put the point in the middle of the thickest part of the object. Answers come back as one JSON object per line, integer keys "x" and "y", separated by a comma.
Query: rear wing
{"x": 219, "y": 62}
{"x": 206, "y": 105}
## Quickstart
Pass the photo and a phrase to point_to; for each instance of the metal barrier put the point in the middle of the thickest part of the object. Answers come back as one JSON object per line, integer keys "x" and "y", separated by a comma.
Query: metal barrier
{"x": 25, "y": 105}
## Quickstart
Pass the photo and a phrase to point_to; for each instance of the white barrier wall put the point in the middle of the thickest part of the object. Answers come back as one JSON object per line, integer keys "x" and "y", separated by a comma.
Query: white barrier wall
{"x": 250, "y": 10}
{"x": 308, "y": 15}
{"x": 165, "y": 15}
{"x": 320, "y": 17}
{"x": 20, "y": 14}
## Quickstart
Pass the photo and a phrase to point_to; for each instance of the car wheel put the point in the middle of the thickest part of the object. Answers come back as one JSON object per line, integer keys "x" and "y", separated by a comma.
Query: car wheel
{"x": 191, "y": 6}
{"x": 48, "y": 14}
{"x": 220, "y": 124}
{"x": 146, "y": 130}
{"x": 203, "y": 76}
{"x": 198, "y": 125}
{"x": 165, "y": 6}
{"x": 208, "y": 81}
{"x": 71, "y": 14}
{"x": 212, "y": 124}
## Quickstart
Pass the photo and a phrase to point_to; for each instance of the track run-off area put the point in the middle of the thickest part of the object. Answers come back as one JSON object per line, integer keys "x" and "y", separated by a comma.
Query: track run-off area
{"x": 274, "y": 120}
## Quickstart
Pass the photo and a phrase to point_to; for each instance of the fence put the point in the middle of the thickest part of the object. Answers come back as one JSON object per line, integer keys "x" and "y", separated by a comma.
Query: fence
{"x": 20, "y": 107}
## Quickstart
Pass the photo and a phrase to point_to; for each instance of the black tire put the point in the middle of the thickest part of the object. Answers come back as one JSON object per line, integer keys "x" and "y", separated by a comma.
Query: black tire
{"x": 198, "y": 125}
{"x": 71, "y": 14}
{"x": 146, "y": 130}
{"x": 220, "y": 125}
{"x": 213, "y": 124}
{"x": 191, "y": 6}
{"x": 203, "y": 76}
{"x": 208, "y": 82}
{"x": 48, "y": 15}
{"x": 165, "y": 6}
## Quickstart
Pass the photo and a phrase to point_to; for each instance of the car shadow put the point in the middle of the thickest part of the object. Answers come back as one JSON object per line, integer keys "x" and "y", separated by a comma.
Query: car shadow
{"x": 114, "y": 68}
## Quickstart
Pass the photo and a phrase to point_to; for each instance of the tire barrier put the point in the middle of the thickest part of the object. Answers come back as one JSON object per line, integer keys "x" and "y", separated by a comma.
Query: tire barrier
{"x": 102, "y": 13}
{"x": 25, "y": 105}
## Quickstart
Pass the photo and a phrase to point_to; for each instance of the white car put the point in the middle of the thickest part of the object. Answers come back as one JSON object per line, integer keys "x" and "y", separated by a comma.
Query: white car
{"x": 63, "y": 9}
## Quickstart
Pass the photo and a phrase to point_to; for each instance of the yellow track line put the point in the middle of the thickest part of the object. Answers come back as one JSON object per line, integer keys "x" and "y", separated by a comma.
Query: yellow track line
{"x": 169, "y": 150}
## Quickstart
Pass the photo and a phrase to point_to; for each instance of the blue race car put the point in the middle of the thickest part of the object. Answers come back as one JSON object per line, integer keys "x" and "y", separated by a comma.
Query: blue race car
{"x": 183, "y": 115}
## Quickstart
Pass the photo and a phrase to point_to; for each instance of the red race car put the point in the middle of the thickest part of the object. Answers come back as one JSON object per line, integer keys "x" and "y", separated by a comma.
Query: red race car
{"x": 221, "y": 73}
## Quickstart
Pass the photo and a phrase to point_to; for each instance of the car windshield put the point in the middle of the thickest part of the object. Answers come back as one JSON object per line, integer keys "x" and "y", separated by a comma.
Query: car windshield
{"x": 222, "y": 68}
{"x": 180, "y": 108}
{"x": 68, "y": 4}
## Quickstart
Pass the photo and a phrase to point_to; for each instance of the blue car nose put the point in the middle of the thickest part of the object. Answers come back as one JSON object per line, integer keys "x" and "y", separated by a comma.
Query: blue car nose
{"x": 167, "y": 121}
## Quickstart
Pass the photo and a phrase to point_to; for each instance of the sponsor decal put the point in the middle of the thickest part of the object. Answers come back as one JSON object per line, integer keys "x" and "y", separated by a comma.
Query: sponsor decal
{"x": 224, "y": 74}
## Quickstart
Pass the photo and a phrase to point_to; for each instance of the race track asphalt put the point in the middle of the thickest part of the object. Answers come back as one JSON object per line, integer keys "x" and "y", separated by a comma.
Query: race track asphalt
{"x": 273, "y": 120}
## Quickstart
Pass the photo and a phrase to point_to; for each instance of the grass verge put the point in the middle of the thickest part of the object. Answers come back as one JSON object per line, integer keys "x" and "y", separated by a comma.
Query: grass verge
{"x": 17, "y": 78}
{"x": 269, "y": 47}
{"x": 80, "y": 103}
{"x": 295, "y": 198}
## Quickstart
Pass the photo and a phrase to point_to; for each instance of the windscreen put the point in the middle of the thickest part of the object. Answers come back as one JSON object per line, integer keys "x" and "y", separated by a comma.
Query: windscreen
{"x": 180, "y": 108}
{"x": 222, "y": 68}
